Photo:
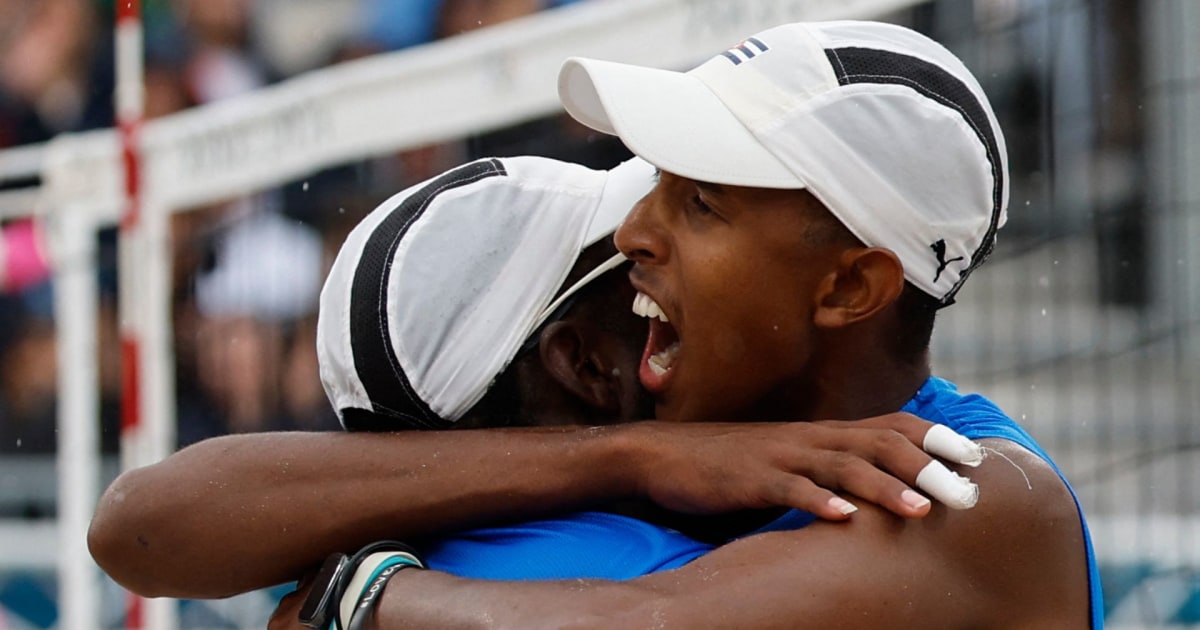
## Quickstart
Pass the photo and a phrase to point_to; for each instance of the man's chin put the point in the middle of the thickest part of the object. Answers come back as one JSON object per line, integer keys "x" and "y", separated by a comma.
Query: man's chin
{"x": 673, "y": 409}
{"x": 665, "y": 411}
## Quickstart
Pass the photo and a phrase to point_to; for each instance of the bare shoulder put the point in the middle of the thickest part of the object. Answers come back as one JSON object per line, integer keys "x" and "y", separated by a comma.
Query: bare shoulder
{"x": 1023, "y": 496}
{"x": 1024, "y": 540}
{"x": 1014, "y": 476}
{"x": 1017, "y": 559}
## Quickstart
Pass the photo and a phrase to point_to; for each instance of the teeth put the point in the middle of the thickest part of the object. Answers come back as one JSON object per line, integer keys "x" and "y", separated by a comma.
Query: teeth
{"x": 639, "y": 304}
{"x": 660, "y": 362}
{"x": 645, "y": 306}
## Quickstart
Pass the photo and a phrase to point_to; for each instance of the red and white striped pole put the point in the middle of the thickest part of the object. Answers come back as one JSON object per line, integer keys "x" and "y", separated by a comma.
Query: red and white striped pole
{"x": 130, "y": 109}
{"x": 142, "y": 233}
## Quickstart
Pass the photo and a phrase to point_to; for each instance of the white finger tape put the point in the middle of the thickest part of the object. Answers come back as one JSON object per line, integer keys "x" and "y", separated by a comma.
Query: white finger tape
{"x": 945, "y": 485}
{"x": 943, "y": 442}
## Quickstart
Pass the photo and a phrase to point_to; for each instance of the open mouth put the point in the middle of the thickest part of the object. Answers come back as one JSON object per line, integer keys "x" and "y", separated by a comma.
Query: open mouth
{"x": 661, "y": 354}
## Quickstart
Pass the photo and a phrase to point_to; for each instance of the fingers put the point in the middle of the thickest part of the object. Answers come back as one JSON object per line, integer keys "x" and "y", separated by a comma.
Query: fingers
{"x": 802, "y": 494}
{"x": 895, "y": 454}
{"x": 937, "y": 439}
{"x": 945, "y": 485}
{"x": 285, "y": 613}
{"x": 874, "y": 464}
{"x": 935, "y": 478}
{"x": 809, "y": 489}
{"x": 942, "y": 441}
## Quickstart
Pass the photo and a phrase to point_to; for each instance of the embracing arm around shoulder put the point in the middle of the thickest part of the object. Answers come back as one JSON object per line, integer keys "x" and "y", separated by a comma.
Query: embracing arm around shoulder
{"x": 1017, "y": 560}
{"x": 242, "y": 512}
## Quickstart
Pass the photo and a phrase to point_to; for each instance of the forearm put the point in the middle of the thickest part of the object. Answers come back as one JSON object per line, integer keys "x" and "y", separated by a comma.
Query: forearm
{"x": 429, "y": 599}
{"x": 242, "y": 512}
{"x": 777, "y": 586}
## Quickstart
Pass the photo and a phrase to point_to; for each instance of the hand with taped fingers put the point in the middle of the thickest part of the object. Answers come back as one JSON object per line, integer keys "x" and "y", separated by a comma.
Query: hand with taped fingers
{"x": 722, "y": 467}
{"x": 935, "y": 478}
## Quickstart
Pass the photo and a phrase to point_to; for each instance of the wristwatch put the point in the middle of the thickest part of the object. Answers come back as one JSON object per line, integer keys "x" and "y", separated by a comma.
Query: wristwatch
{"x": 361, "y": 576}
{"x": 321, "y": 604}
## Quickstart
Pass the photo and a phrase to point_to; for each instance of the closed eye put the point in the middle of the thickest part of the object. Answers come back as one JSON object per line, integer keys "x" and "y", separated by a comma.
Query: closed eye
{"x": 701, "y": 213}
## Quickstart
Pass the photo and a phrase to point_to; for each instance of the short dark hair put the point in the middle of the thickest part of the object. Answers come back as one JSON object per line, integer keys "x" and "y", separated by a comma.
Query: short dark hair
{"x": 915, "y": 314}
{"x": 500, "y": 406}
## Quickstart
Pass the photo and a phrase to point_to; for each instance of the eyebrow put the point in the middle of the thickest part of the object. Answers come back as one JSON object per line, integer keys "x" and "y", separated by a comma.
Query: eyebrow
{"x": 708, "y": 187}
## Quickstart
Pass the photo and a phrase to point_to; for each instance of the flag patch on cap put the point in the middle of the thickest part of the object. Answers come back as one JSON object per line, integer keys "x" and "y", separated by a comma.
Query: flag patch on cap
{"x": 745, "y": 51}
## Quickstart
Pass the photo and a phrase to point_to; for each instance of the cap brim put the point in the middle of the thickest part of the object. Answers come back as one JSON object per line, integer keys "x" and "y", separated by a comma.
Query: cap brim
{"x": 624, "y": 186}
{"x": 671, "y": 120}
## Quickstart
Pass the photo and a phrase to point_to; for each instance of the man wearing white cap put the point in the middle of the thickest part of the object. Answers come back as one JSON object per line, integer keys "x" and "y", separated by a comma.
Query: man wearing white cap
{"x": 488, "y": 296}
{"x": 825, "y": 189}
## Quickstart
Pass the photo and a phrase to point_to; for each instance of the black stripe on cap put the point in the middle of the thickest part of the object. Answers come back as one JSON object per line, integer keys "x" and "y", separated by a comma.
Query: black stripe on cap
{"x": 868, "y": 65}
{"x": 395, "y": 405}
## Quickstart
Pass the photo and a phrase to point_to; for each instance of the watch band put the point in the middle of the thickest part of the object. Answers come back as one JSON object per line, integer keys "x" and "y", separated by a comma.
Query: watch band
{"x": 367, "y": 582}
{"x": 346, "y": 589}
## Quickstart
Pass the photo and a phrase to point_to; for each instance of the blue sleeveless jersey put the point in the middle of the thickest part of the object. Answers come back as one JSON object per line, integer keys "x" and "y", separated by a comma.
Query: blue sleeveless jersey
{"x": 610, "y": 546}
{"x": 580, "y": 545}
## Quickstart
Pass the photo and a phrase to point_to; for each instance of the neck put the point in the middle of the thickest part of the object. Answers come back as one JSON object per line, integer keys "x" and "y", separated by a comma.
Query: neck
{"x": 853, "y": 385}
{"x": 855, "y": 396}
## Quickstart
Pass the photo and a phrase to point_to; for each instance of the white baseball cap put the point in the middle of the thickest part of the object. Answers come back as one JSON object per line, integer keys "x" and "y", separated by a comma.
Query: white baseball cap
{"x": 887, "y": 128}
{"x": 433, "y": 293}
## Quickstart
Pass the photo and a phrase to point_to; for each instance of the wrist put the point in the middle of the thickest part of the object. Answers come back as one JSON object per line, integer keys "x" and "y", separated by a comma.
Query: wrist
{"x": 371, "y": 577}
{"x": 347, "y": 589}
{"x": 630, "y": 454}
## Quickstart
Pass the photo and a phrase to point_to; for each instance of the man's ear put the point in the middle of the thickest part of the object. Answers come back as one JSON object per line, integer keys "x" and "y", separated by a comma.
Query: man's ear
{"x": 573, "y": 354}
{"x": 865, "y": 281}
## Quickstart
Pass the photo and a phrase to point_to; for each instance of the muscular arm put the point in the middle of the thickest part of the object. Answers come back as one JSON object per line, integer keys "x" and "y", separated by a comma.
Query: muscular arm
{"x": 241, "y": 512}
{"x": 1016, "y": 560}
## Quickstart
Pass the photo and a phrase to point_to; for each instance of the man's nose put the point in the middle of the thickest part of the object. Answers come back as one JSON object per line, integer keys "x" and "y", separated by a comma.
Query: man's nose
{"x": 642, "y": 237}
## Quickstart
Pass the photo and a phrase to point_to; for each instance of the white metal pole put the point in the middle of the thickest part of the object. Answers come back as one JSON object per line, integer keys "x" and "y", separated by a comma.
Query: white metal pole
{"x": 157, "y": 383}
{"x": 75, "y": 303}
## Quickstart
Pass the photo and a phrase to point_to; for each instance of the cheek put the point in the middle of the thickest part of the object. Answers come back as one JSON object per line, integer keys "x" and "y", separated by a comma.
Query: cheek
{"x": 753, "y": 329}
{"x": 763, "y": 321}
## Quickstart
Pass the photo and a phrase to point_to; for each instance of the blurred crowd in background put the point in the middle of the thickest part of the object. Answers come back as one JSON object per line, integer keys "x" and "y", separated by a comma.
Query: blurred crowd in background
{"x": 247, "y": 273}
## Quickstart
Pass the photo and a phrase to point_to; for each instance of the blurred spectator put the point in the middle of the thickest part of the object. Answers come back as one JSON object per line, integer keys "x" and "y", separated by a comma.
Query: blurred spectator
{"x": 55, "y": 70}
{"x": 263, "y": 266}
{"x": 55, "y": 76}
{"x": 22, "y": 257}
{"x": 259, "y": 284}
{"x": 559, "y": 137}
{"x": 28, "y": 371}
{"x": 220, "y": 64}
{"x": 461, "y": 16}
{"x": 294, "y": 36}
{"x": 396, "y": 24}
